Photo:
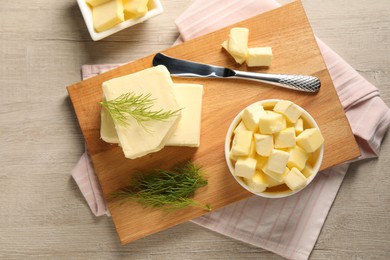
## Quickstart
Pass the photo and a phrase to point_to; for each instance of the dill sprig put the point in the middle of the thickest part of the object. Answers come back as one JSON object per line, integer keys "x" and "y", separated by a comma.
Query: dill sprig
{"x": 168, "y": 189}
{"x": 137, "y": 106}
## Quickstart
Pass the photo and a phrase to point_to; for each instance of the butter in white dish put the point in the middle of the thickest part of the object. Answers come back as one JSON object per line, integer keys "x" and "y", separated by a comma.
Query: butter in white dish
{"x": 107, "y": 15}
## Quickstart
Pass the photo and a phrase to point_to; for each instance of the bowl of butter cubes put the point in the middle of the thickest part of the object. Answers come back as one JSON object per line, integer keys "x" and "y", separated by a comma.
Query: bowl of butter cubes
{"x": 106, "y": 17}
{"x": 274, "y": 148}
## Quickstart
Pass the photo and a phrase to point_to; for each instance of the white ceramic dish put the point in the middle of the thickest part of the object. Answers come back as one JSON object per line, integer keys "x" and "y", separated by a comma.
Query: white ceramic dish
{"x": 318, "y": 155}
{"x": 155, "y": 8}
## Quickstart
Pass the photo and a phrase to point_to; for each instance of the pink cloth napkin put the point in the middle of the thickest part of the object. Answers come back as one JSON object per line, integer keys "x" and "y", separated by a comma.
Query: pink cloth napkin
{"x": 290, "y": 226}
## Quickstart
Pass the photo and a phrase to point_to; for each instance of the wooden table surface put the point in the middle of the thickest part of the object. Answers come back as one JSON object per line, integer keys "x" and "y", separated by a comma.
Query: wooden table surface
{"x": 42, "y": 212}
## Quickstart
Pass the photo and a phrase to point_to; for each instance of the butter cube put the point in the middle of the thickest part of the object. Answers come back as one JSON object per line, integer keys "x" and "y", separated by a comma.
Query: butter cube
{"x": 289, "y": 110}
{"x": 240, "y": 127}
{"x": 258, "y": 183}
{"x": 308, "y": 170}
{"x": 298, "y": 158}
{"x": 295, "y": 179}
{"x": 238, "y": 42}
{"x": 245, "y": 167}
{"x": 242, "y": 141}
{"x": 261, "y": 56}
{"x": 276, "y": 177}
{"x": 94, "y": 3}
{"x": 271, "y": 122}
{"x": 251, "y": 116}
{"x": 107, "y": 15}
{"x": 264, "y": 144}
{"x": 135, "y": 8}
{"x": 238, "y": 59}
{"x": 285, "y": 138}
{"x": 277, "y": 161}
{"x": 310, "y": 139}
{"x": 187, "y": 133}
{"x": 261, "y": 162}
{"x": 298, "y": 126}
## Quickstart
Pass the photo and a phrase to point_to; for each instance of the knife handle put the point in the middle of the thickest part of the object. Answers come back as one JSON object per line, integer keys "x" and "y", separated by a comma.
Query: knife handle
{"x": 296, "y": 82}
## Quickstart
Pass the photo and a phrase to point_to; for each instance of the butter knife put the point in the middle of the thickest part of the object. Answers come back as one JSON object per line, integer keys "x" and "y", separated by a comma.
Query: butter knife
{"x": 189, "y": 69}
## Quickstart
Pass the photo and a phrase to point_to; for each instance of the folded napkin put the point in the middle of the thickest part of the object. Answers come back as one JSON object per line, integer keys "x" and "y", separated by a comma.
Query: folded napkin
{"x": 290, "y": 226}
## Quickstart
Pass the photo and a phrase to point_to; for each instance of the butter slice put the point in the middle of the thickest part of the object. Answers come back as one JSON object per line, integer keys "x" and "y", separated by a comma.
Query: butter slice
{"x": 238, "y": 42}
{"x": 277, "y": 161}
{"x": 264, "y": 144}
{"x": 260, "y": 56}
{"x": 107, "y": 15}
{"x": 245, "y": 167}
{"x": 258, "y": 183}
{"x": 285, "y": 138}
{"x": 295, "y": 179}
{"x": 242, "y": 142}
{"x": 238, "y": 59}
{"x": 310, "y": 139}
{"x": 289, "y": 110}
{"x": 94, "y": 3}
{"x": 135, "y": 8}
{"x": 137, "y": 140}
{"x": 271, "y": 122}
{"x": 251, "y": 116}
{"x": 187, "y": 133}
{"x": 298, "y": 158}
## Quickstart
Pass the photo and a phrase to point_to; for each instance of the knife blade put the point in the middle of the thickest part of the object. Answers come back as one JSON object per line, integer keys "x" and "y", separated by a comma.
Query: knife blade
{"x": 190, "y": 69}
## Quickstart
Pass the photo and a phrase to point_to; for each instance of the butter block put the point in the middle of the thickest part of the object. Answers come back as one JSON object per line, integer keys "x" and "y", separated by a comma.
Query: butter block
{"x": 107, "y": 15}
{"x": 251, "y": 116}
{"x": 94, "y": 3}
{"x": 310, "y": 139}
{"x": 245, "y": 167}
{"x": 258, "y": 183}
{"x": 242, "y": 141}
{"x": 277, "y": 177}
{"x": 264, "y": 144}
{"x": 277, "y": 161}
{"x": 289, "y": 110}
{"x": 238, "y": 42}
{"x": 295, "y": 179}
{"x": 107, "y": 128}
{"x": 271, "y": 122}
{"x": 285, "y": 138}
{"x": 308, "y": 170}
{"x": 298, "y": 126}
{"x": 238, "y": 59}
{"x": 260, "y": 56}
{"x": 135, "y": 8}
{"x": 240, "y": 127}
{"x": 137, "y": 140}
{"x": 189, "y": 98}
{"x": 298, "y": 158}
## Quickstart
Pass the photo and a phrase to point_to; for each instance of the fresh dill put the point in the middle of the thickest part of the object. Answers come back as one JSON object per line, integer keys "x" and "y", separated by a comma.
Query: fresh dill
{"x": 168, "y": 189}
{"x": 137, "y": 106}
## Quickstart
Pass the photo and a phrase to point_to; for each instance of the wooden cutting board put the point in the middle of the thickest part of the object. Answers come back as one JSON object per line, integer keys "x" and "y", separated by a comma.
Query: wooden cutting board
{"x": 295, "y": 50}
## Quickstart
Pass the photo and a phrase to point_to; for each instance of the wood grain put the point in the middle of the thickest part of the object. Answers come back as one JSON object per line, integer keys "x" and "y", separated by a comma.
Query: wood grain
{"x": 292, "y": 54}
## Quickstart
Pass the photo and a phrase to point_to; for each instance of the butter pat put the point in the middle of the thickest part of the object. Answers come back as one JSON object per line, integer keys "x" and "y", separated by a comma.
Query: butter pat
{"x": 94, "y": 3}
{"x": 288, "y": 109}
{"x": 135, "y": 8}
{"x": 285, "y": 138}
{"x": 107, "y": 15}
{"x": 238, "y": 59}
{"x": 295, "y": 179}
{"x": 251, "y": 116}
{"x": 258, "y": 183}
{"x": 242, "y": 142}
{"x": 245, "y": 167}
{"x": 310, "y": 139}
{"x": 137, "y": 140}
{"x": 271, "y": 122}
{"x": 238, "y": 42}
{"x": 264, "y": 144}
{"x": 187, "y": 133}
{"x": 260, "y": 56}
{"x": 277, "y": 161}
{"x": 298, "y": 158}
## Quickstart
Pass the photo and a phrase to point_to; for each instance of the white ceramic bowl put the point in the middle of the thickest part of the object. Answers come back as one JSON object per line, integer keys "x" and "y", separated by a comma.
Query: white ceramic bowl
{"x": 155, "y": 9}
{"x": 318, "y": 155}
